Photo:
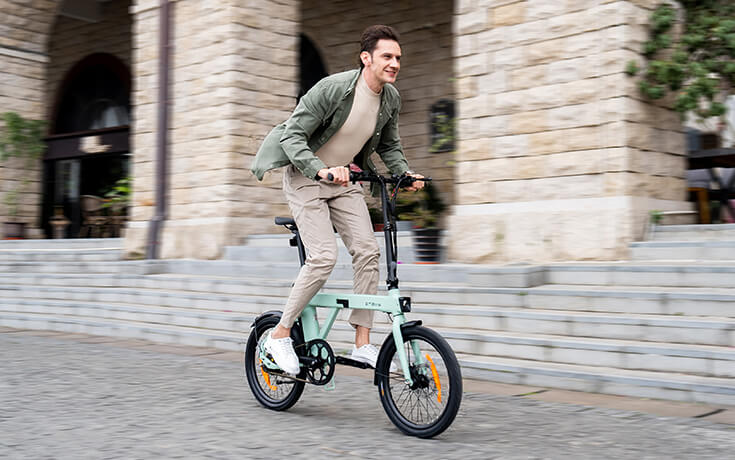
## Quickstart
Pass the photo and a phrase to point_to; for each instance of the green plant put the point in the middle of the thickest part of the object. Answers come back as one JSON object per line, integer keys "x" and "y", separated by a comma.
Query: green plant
{"x": 423, "y": 208}
{"x": 20, "y": 138}
{"x": 656, "y": 216}
{"x": 443, "y": 129}
{"x": 698, "y": 66}
{"x": 443, "y": 137}
{"x": 119, "y": 195}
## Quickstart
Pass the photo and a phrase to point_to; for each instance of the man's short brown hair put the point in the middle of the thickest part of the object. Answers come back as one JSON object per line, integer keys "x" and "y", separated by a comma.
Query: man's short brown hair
{"x": 371, "y": 35}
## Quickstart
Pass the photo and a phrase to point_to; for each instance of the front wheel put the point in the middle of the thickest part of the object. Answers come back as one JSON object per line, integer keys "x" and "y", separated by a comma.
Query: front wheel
{"x": 428, "y": 406}
{"x": 272, "y": 391}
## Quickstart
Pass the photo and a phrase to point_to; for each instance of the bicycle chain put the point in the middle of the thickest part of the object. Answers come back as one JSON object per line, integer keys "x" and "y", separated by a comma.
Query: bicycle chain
{"x": 279, "y": 373}
{"x": 291, "y": 377}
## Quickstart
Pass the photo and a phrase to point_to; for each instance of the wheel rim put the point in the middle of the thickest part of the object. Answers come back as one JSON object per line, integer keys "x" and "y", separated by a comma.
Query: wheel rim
{"x": 272, "y": 387}
{"x": 422, "y": 404}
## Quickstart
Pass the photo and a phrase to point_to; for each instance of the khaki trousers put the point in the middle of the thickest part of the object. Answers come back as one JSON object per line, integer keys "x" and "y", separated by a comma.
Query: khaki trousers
{"x": 318, "y": 208}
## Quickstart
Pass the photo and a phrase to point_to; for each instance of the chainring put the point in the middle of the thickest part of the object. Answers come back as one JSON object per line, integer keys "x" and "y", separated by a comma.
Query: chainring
{"x": 321, "y": 370}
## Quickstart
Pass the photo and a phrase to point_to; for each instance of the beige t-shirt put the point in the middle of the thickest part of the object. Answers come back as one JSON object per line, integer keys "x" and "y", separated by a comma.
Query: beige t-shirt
{"x": 341, "y": 148}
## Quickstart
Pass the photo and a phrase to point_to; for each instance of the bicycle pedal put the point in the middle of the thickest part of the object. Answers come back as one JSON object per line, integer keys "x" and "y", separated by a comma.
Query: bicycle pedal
{"x": 267, "y": 360}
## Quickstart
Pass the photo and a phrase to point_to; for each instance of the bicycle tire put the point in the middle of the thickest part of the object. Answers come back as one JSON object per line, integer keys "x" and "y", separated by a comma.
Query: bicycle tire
{"x": 394, "y": 391}
{"x": 260, "y": 382}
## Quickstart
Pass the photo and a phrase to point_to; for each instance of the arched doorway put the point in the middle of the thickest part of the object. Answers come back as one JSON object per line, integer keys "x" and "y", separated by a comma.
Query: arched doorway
{"x": 88, "y": 149}
{"x": 312, "y": 67}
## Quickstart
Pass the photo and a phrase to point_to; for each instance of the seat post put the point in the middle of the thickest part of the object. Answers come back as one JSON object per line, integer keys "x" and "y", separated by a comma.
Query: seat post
{"x": 296, "y": 240}
{"x": 300, "y": 246}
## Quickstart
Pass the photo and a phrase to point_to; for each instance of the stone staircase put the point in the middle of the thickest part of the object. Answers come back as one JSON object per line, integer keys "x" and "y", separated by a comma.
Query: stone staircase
{"x": 688, "y": 242}
{"x": 652, "y": 327}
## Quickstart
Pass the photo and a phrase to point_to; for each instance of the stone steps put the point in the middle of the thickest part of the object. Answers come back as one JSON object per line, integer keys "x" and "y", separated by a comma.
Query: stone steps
{"x": 716, "y": 361}
{"x": 647, "y": 273}
{"x": 674, "y": 274}
{"x": 464, "y": 274}
{"x": 61, "y": 255}
{"x": 711, "y": 232}
{"x": 594, "y": 352}
{"x": 64, "y": 244}
{"x": 709, "y": 330}
{"x": 602, "y": 379}
{"x": 687, "y": 274}
{"x": 714, "y": 242}
{"x": 487, "y": 276}
{"x": 643, "y": 328}
{"x": 276, "y": 248}
{"x": 683, "y": 250}
{"x": 572, "y": 298}
{"x": 608, "y": 380}
{"x": 71, "y": 267}
{"x": 591, "y": 351}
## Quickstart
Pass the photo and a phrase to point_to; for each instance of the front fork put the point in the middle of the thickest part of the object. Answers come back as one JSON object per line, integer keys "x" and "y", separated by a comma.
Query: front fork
{"x": 398, "y": 321}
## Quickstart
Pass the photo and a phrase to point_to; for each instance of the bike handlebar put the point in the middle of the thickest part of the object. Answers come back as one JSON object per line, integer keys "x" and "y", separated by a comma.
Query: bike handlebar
{"x": 364, "y": 176}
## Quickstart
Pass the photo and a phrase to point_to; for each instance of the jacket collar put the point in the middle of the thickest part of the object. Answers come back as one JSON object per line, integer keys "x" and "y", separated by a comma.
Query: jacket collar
{"x": 353, "y": 83}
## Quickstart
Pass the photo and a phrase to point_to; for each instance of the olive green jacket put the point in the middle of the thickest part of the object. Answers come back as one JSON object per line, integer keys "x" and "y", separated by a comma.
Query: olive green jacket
{"x": 318, "y": 116}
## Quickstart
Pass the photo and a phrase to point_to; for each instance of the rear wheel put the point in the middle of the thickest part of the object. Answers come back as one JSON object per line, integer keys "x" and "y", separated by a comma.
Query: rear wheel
{"x": 272, "y": 391}
{"x": 428, "y": 406}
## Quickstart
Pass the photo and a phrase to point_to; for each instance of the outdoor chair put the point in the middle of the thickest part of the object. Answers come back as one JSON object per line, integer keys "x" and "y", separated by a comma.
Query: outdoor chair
{"x": 94, "y": 219}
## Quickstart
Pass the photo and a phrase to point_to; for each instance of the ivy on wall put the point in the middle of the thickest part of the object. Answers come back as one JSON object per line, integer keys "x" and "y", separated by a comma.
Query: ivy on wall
{"x": 697, "y": 65}
{"x": 20, "y": 138}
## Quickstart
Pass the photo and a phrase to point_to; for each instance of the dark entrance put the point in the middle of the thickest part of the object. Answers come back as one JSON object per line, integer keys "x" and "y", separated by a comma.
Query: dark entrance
{"x": 88, "y": 151}
{"x": 311, "y": 65}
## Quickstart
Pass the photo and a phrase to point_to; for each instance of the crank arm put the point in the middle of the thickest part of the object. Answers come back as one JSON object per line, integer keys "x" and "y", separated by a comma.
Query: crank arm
{"x": 351, "y": 362}
{"x": 307, "y": 361}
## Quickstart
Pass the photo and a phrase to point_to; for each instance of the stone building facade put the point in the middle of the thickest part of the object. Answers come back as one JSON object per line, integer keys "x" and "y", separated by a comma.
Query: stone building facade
{"x": 24, "y": 58}
{"x": 557, "y": 157}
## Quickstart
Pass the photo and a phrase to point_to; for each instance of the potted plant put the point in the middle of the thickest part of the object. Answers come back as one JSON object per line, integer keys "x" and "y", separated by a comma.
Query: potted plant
{"x": 406, "y": 204}
{"x": 23, "y": 139}
{"x": 425, "y": 214}
{"x": 376, "y": 217}
{"x": 117, "y": 200}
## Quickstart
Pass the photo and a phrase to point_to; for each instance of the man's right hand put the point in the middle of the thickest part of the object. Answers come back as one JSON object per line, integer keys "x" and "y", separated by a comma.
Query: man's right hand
{"x": 340, "y": 174}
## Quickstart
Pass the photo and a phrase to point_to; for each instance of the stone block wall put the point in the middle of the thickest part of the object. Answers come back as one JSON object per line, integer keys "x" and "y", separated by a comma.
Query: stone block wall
{"x": 558, "y": 158}
{"x": 426, "y": 65}
{"x": 23, "y": 54}
{"x": 233, "y": 76}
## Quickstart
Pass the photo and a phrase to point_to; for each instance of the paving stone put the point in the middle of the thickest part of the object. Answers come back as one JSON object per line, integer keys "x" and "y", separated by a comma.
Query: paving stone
{"x": 726, "y": 416}
{"x": 182, "y": 350}
{"x": 650, "y": 406}
{"x": 71, "y": 400}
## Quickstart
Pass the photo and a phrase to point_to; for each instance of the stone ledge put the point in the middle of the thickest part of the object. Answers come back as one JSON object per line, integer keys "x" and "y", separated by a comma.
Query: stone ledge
{"x": 23, "y": 54}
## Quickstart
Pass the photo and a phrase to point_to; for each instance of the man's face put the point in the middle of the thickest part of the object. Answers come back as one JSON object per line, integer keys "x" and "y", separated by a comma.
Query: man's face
{"x": 384, "y": 62}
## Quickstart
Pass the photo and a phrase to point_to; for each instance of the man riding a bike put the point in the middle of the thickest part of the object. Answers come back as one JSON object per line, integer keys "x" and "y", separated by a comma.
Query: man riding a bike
{"x": 342, "y": 120}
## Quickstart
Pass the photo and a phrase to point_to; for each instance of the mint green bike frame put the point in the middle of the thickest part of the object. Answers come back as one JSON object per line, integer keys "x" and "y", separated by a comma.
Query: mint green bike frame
{"x": 391, "y": 303}
{"x": 336, "y": 302}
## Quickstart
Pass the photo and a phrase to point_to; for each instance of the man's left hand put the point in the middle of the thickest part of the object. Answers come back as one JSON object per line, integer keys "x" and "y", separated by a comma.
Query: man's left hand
{"x": 417, "y": 185}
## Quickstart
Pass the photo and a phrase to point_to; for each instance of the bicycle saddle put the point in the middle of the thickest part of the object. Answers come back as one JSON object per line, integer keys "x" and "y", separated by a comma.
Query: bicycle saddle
{"x": 285, "y": 221}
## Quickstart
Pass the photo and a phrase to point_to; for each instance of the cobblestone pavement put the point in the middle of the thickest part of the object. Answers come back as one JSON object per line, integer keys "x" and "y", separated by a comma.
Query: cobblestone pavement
{"x": 87, "y": 399}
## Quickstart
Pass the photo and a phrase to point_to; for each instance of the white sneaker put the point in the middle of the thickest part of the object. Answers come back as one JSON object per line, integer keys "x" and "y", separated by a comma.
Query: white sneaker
{"x": 368, "y": 354}
{"x": 283, "y": 354}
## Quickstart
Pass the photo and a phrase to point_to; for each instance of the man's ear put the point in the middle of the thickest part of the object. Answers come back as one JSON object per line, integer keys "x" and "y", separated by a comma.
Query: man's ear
{"x": 365, "y": 57}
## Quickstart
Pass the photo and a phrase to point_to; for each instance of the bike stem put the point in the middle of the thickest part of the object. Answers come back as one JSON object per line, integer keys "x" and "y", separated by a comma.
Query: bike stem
{"x": 389, "y": 231}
